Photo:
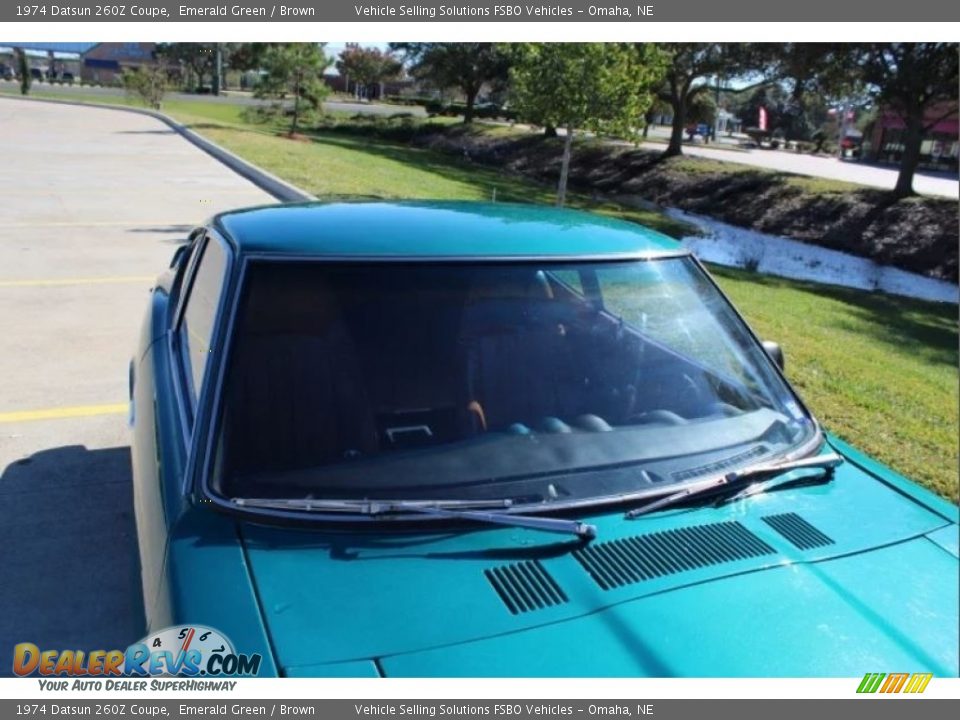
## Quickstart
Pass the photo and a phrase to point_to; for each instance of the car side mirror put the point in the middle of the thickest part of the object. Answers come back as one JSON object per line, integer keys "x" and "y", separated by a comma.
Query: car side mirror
{"x": 775, "y": 352}
{"x": 179, "y": 254}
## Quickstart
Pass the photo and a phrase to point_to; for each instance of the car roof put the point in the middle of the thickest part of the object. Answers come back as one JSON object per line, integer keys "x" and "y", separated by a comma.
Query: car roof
{"x": 435, "y": 229}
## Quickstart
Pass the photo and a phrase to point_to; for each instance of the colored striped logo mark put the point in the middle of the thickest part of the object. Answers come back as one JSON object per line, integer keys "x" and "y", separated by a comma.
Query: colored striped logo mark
{"x": 894, "y": 682}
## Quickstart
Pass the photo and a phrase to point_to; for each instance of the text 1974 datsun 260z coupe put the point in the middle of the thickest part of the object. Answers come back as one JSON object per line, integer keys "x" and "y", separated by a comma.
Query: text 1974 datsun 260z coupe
{"x": 437, "y": 439}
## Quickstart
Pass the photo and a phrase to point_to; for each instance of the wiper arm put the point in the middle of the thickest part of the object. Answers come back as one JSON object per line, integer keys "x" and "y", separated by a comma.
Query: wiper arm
{"x": 746, "y": 476}
{"x": 555, "y": 525}
{"x": 451, "y": 509}
{"x": 774, "y": 484}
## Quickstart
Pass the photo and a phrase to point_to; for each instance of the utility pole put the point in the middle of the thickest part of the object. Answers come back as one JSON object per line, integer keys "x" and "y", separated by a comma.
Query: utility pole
{"x": 218, "y": 72}
{"x": 716, "y": 112}
{"x": 843, "y": 129}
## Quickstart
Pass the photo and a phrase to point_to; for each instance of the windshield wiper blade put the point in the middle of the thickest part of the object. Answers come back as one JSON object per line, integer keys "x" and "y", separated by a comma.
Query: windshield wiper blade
{"x": 450, "y": 509}
{"x": 745, "y": 476}
{"x": 364, "y": 507}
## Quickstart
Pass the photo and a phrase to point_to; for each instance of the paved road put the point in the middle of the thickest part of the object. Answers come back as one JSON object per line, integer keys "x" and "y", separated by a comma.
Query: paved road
{"x": 939, "y": 184}
{"x": 92, "y": 204}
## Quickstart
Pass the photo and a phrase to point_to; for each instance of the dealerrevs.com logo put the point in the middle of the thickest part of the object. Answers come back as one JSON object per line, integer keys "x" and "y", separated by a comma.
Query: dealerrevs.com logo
{"x": 181, "y": 650}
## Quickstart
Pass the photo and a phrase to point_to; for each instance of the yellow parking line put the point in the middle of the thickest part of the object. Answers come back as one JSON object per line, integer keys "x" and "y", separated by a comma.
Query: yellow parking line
{"x": 64, "y": 412}
{"x": 52, "y": 282}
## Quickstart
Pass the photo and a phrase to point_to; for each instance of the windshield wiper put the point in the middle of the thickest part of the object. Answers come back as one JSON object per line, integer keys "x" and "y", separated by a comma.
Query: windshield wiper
{"x": 747, "y": 476}
{"x": 450, "y": 509}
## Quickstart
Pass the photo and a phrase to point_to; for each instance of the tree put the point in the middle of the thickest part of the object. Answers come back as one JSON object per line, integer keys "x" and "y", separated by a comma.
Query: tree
{"x": 601, "y": 87}
{"x": 295, "y": 69}
{"x": 689, "y": 63}
{"x": 918, "y": 81}
{"x": 821, "y": 69}
{"x": 148, "y": 84}
{"x": 657, "y": 108}
{"x": 773, "y": 101}
{"x": 367, "y": 66}
{"x": 810, "y": 77}
{"x": 23, "y": 70}
{"x": 248, "y": 56}
{"x": 466, "y": 66}
{"x": 688, "y": 72}
{"x": 199, "y": 59}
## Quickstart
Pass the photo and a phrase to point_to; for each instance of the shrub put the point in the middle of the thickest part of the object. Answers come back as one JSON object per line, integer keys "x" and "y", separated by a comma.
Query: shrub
{"x": 146, "y": 84}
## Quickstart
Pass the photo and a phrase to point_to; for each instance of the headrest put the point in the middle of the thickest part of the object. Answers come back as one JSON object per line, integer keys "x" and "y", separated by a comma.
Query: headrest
{"x": 297, "y": 304}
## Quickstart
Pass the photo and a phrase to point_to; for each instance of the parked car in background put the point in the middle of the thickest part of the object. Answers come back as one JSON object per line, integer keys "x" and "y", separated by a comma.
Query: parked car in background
{"x": 453, "y": 439}
{"x": 6, "y": 72}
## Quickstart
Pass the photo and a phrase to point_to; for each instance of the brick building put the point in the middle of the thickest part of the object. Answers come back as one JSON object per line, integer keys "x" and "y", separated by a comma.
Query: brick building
{"x": 941, "y": 144}
{"x": 105, "y": 62}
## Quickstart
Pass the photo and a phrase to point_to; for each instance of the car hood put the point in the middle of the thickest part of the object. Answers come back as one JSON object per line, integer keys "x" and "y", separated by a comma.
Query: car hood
{"x": 832, "y": 580}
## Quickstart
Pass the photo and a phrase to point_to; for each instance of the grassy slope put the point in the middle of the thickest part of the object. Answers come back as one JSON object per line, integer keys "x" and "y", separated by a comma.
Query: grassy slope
{"x": 336, "y": 165}
{"x": 879, "y": 371}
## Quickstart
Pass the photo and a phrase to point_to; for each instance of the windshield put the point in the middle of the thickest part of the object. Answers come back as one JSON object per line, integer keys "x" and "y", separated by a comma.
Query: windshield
{"x": 544, "y": 383}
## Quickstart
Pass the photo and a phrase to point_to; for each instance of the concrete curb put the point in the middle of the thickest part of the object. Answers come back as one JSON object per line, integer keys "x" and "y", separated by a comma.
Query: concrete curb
{"x": 280, "y": 189}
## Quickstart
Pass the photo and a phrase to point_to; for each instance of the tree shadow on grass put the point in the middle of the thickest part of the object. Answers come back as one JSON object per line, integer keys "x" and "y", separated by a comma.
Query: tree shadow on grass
{"x": 898, "y": 322}
{"x": 70, "y": 567}
{"x": 198, "y": 126}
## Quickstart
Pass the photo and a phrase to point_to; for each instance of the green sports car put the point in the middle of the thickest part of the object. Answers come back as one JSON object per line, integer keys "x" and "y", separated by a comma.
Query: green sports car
{"x": 453, "y": 439}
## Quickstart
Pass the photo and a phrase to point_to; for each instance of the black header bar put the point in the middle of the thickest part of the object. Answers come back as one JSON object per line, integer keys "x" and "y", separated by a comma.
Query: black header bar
{"x": 644, "y": 11}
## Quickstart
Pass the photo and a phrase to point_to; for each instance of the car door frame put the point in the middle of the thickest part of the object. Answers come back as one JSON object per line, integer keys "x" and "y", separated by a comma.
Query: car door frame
{"x": 193, "y": 420}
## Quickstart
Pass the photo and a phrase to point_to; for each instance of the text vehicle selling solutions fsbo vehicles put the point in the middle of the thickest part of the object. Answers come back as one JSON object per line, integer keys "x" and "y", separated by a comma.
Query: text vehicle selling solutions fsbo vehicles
{"x": 435, "y": 439}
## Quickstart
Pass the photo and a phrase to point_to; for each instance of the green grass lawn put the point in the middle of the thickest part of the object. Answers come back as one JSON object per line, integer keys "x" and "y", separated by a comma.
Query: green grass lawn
{"x": 196, "y": 109}
{"x": 879, "y": 371}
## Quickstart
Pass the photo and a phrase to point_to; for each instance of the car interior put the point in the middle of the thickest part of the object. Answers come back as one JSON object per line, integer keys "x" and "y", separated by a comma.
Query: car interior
{"x": 338, "y": 362}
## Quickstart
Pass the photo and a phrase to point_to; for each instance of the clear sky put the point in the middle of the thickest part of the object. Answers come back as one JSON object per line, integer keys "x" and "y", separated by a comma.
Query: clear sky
{"x": 334, "y": 48}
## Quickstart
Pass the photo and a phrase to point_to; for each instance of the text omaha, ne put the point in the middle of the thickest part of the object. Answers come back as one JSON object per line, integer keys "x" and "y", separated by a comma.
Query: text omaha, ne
{"x": 503, "y": 11}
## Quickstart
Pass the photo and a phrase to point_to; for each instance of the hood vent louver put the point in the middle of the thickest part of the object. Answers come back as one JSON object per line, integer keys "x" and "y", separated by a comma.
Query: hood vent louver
{"x": 798, "y": 531}
{"x": 630, "y": 560}
{"x": 525, "y": 586}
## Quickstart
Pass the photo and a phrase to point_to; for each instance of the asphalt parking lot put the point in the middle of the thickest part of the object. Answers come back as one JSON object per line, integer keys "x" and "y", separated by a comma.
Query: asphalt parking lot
{"x": 93, "y": 203}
